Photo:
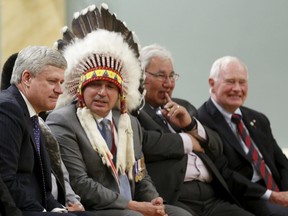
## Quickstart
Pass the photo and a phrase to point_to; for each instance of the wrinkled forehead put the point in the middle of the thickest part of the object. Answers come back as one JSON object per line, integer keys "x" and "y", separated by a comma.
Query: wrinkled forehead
{"x": 161, "y": 64}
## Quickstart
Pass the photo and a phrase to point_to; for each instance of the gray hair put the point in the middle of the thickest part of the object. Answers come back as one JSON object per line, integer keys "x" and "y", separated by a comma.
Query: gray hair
{"x": 221, "y": 63}
{"x": 34, "y": 59}
{"x": 147, "y": 53}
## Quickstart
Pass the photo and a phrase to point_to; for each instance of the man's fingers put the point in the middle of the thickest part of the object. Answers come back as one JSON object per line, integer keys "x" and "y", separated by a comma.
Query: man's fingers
{"x": 167, "y": 97}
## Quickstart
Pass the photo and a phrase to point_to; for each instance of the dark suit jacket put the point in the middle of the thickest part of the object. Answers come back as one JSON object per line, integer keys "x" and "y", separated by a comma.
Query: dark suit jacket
{"x": 7, "y": 204}
{"x": 90, "y": 178}
{"x": 27, "y": 177}
{"x": 260, "y": 132}
{"x": 165, "y": 158}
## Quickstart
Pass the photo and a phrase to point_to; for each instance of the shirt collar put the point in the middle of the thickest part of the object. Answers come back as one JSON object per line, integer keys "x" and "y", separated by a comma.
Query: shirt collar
{"x": 226, "y": 115}
{"x": 99, "y": 118}
{"x": 31, "y": 110}
{"x": 155, "y": 108}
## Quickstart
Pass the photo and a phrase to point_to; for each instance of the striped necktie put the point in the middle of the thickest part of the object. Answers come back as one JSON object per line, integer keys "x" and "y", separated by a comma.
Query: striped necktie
{"x": 254, "y": 154}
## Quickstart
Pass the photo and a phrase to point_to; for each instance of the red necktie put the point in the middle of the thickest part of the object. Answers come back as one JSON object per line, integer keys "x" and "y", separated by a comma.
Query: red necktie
{"x": 254, "y": 154}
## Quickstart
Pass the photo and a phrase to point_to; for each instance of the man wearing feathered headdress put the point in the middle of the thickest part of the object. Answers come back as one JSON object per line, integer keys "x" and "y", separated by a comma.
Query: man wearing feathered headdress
{"x": 100, "y": 142}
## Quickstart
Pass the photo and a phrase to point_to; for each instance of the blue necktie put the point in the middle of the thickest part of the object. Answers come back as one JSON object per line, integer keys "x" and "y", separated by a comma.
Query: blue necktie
{"x": 125, "y": 189}
{"x": 36, "y": 130}
{"x": 107, "y": 132}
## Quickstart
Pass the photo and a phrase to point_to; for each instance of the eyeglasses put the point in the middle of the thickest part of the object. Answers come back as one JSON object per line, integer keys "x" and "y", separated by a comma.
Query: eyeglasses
{"x": 162, "y": 77}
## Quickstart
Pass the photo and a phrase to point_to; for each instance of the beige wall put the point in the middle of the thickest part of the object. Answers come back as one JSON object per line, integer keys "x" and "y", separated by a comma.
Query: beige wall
{"x": 29, "y": 22}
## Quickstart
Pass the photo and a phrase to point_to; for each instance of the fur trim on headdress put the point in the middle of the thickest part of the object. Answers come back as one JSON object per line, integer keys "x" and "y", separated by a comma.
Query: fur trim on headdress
{"x": 97, "y": 141}
{"x": 125, "y": 153}
{"x": 125, "y": 148}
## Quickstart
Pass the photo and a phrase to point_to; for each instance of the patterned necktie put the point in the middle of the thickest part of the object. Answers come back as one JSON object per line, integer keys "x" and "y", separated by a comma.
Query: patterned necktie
{"x": 36, "y": 130}
{"x": 254, "y": 154}
{"x": 107, "y": 132}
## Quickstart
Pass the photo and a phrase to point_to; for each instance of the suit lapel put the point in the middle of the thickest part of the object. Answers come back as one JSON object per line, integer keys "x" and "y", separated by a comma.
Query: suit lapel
{"x": 44, "y": 172}
{"x": 115, "y": 117}
{"x": 15, "y": 92}
{"x": 152, "y": 113}
{"x": 208, "y": 162}
{"x": 256, "y": 134}
{"x": 224, "y": 129}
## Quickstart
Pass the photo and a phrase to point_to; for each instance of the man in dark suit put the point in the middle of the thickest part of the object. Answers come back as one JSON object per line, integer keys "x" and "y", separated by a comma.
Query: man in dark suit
{"x": 61, "y": 189}
{"x": 255, "y": 186}
{"x": 24, "y": 163}
{"x": 183, "y": 174}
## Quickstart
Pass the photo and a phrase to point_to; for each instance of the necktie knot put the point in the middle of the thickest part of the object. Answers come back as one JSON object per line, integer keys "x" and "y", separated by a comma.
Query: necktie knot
{"x": 105, "y": 123}
{"x": 34, "y": 119}
{"x": 159, "y": 114}
{"x": 236, "y": 118}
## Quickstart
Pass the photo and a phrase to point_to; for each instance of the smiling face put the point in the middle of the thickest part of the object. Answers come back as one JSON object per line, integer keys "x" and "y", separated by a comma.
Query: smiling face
{"x": 156, "y": 88}
{"x": 230, "y": 88}
{"x": 100, "y": 96}
{"x": 44, "y": 88}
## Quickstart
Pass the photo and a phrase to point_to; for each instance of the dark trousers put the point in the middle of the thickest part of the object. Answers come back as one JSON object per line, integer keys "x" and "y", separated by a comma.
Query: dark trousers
{"x": 28, "y": 213}
{"x": 83, "y": 213}
{"x": 203, "y": 200}
{"x": 170, "y": 210}
{"x": 266, "y": 208}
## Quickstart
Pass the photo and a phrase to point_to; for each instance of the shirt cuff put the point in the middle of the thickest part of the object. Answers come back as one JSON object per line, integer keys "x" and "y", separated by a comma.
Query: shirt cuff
{"x": 200, "y": 130}
{"x": 266, "y": 195}
{"x": 60, "y": 210}
{"x": 187, "y": 143}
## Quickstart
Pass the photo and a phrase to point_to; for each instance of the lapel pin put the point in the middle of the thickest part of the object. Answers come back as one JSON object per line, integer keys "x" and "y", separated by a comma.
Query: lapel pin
{"x": 253, "y": 123}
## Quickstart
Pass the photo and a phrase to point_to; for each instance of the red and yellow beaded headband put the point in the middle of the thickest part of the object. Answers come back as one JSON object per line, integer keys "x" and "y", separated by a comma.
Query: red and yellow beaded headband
{"x": 100, "y": 74}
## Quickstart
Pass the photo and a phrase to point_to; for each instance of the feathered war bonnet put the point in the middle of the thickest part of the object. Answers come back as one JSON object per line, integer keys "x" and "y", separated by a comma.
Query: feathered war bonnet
{"x": 100, "y": 47}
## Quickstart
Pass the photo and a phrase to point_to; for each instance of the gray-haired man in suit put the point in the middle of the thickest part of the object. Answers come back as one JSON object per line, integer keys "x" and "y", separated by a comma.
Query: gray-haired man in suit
{"x": 228, "y": 82}
{"x": 183, "y": 173}
{"x": 24, "y": 163}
